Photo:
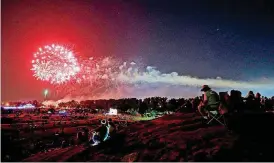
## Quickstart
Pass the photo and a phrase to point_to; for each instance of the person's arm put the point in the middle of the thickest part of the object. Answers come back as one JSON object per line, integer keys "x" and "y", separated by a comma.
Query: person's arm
{"x": 97, "y": 129}
{"x": 205, "y": 101}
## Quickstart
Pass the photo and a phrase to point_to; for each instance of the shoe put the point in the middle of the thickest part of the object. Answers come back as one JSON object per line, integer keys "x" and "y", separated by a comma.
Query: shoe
{"x": 94, "y": 144}
{"x": 205, "y": 117}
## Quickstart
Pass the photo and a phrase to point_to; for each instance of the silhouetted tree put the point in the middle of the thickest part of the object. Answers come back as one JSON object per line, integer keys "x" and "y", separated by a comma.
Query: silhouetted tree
{"x": 143, "y": 108}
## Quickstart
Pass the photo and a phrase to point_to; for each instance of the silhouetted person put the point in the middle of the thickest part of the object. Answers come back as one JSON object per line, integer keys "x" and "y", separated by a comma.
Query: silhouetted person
{"x": 195, "y": 103}
{"x": 250, "y": 95}
{"x": 258, "y": 104}
{"x": 225, "y": 105}
{"x": 236, "y": 101}
{"x": 250, "y": 103}
{"x": 85, "y": 135}
{"x": 112, "y": 127}
{"x": 79, "y": 137}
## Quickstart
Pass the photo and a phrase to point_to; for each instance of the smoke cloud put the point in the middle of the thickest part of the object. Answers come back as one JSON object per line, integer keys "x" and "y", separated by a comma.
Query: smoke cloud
{"x": 111, "y": 80}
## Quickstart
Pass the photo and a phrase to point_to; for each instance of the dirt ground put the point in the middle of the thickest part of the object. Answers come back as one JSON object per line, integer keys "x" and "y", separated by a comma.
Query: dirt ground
{"x": 176, "y": 137}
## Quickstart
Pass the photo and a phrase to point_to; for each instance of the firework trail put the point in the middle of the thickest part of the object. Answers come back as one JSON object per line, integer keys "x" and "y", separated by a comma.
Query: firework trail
{"x": 108, "y": 77}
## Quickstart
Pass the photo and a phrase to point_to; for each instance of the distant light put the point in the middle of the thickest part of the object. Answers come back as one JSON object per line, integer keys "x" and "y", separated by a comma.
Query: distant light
{"x": 46, "y": 92}
{"x": 112, "y": 112}
{"x": 27, "y": 106}
{"x": 62, "y": 111}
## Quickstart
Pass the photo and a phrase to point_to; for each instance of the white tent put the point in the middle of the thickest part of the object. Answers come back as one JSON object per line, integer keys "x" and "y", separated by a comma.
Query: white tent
{"x": 112, "y": 111}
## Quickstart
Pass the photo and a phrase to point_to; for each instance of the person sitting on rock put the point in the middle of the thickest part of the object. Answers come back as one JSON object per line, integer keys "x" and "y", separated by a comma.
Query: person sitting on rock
{"x": 210, "y": 101}
{"x": 85, "y": 134}
{"x": 101, "y": 134}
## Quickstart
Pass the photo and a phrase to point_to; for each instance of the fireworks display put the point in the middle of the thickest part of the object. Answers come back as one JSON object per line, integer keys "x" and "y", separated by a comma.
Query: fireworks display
{"x": 96, "y": 77}
{"x": 55, "y": 63}
{"x": 107, "y": 77}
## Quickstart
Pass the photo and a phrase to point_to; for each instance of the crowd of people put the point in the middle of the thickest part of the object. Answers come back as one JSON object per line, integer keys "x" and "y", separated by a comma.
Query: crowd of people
{"x": 225, "y": 103}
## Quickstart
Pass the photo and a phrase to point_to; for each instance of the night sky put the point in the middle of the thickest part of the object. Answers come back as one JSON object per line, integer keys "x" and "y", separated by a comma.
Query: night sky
{"x": 202, "y": 38}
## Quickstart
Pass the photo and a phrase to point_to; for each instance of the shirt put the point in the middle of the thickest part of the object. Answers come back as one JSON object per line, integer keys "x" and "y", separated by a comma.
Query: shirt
{"x": 212, "y": 98}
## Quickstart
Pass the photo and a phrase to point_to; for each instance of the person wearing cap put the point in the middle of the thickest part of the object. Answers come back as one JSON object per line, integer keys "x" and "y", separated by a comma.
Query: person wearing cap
{"x": 210, "y": 101}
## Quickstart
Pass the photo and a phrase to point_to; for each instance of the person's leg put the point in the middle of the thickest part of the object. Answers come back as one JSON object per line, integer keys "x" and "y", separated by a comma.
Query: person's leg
{"x": 96, "y": 139}
{"x": 202, "y": 110}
